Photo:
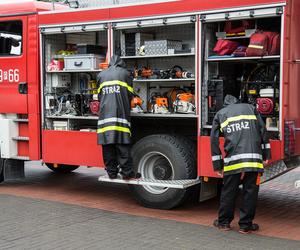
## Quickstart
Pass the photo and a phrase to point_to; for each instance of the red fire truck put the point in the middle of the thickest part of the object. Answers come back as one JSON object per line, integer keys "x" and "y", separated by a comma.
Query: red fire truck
{"x": 50, "y": 58}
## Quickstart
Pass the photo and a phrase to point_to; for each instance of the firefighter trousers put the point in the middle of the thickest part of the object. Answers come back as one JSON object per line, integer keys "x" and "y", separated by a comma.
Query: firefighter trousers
{"x": 118, "y": 155}
{"x": 229, "y": 194}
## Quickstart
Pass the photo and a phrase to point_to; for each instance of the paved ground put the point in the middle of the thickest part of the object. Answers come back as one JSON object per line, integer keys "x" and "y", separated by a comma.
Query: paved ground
{"x": 34, "y": 224}
{"x": 46, "y": 211}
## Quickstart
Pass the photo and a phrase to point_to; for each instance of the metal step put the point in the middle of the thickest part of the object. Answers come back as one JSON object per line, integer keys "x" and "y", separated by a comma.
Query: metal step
{"x": 20, "y": 120}
{"x": 279, "y": 168}
{"x": 23, "y": 158}
{"x": 20, "y": 138}
{"x": 179, "y": 184}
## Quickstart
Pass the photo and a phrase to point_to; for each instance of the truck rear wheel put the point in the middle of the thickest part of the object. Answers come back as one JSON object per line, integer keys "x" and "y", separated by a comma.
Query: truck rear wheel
{"x": 61, "y": 168}
{"x": 163, "y": 157}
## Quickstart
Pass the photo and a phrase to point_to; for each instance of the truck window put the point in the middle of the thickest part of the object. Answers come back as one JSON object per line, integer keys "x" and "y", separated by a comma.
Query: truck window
{"x": 11, "y": 38}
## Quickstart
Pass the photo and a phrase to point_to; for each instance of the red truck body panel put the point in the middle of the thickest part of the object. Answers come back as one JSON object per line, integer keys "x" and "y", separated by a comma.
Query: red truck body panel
{"x": 14, "y": 8}
{"x": 146, "y": 10}
{"x": 72, "y": 147}
{"x": 291, "y": 68}
{"x": 205, "y": 167}
{"x": 13, "y": 71}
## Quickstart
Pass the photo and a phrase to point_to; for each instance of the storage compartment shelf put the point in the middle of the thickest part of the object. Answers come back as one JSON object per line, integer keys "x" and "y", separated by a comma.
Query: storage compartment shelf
{"x": 64, "y": 117}
{"x": 75, "y": 71}
{"x": 154, "y": 56}
{"x": 165, "y": 80}
{"x": 229, "y": 58}
{"x": 164, "y": 115}
{"x": 248, "y": 33}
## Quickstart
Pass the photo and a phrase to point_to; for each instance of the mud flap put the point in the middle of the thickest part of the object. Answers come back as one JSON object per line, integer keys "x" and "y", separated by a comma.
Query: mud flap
{"x": 208, "y": 190}
{"x": 11, "y": 169}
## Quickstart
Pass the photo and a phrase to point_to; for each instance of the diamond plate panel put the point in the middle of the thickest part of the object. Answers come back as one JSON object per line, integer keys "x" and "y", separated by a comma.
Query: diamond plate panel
{"x": 280, "y": 167}
{"x": 142, "y": 90}
{"x": 274, "y": 170}
{"x": 180, "y": 184}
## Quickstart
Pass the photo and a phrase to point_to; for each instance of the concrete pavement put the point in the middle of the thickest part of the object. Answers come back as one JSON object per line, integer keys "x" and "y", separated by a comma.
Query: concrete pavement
{"x": 28, "y": 223}
{"x": 50, "y": 211}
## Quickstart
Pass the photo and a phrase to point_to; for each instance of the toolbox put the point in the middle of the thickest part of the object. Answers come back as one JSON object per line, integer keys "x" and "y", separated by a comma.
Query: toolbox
{"x": 161, "y": 47}
{"x": 83, "y": 62}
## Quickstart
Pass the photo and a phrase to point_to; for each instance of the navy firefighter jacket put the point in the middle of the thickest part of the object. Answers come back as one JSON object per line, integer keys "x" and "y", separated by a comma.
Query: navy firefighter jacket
{"x": 246, "y": 143}
{"x": 114, "y": 94}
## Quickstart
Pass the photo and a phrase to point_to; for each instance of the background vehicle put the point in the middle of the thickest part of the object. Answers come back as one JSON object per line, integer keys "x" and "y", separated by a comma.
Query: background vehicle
{"x": 48, "y": 108}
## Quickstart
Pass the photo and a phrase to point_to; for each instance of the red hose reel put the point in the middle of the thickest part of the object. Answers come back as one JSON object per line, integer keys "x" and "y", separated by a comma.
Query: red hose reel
{"x": 95, "y": 107}
{"x": 265, "y": 106}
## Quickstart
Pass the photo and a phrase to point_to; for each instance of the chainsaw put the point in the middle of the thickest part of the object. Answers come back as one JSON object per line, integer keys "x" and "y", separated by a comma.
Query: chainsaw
{"x": 158, "y": 104}
{"x": 185, "y": 103}
{"x": 136, "y": 105}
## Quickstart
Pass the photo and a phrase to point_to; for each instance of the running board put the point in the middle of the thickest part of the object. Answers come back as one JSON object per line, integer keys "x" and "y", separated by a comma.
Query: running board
{"x": 20, "y": 138}
{"x": 20, "y": 120}
{"x": 22, "y": 158}
{"x": 179, "y": 184}
{"x": 279, "y": 168}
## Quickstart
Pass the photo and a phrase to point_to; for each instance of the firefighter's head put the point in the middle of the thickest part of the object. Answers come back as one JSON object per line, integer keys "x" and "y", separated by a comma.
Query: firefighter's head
{"x": 117, "y": 61}
{"x": 230, "y": 99}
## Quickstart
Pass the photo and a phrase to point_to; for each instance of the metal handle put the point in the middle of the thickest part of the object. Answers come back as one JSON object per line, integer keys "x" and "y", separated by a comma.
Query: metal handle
{"x": 23, "y": 88}
{"x": 78, "y": 64}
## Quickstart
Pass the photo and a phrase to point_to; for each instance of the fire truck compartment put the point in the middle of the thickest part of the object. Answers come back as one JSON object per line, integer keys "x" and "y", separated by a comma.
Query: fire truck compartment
{"x": 255, "y": 79}
{"x": 160, "y": 60}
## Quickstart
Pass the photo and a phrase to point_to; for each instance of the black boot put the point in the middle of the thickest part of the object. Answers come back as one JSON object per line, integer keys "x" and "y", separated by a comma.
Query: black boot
{"x": 252, "y": 228}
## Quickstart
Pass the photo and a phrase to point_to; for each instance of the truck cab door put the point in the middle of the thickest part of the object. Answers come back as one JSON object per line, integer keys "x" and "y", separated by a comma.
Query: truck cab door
{"x": 13, "y": 65}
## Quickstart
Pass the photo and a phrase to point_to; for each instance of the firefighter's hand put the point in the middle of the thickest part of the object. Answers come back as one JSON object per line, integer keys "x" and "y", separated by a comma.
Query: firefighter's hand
{"x": 219, "y": 173}
{"x": 266, "y": 162}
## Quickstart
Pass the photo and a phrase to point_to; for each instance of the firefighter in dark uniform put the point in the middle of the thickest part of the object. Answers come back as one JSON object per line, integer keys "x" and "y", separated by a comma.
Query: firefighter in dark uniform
{"x": 114, "y": 134}
{"x": 246, "y": 148}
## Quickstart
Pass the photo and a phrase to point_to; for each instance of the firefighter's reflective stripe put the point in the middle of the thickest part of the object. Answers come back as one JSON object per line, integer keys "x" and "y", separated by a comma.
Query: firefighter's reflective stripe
{"x": 114, "y": 119}
{"x": 266, "y": 146}
{"x": 216, "y": 157}
{"x": 242, "y": 156}
{"x": 243, "y": 165}
{"x": 115, "y": 82}
{"x": 113, "y": 128}
{"x": 237, "y": 118}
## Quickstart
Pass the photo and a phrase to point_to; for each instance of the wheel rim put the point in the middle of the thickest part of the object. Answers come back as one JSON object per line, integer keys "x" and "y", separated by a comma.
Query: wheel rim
{"x": 156, "y": 166}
